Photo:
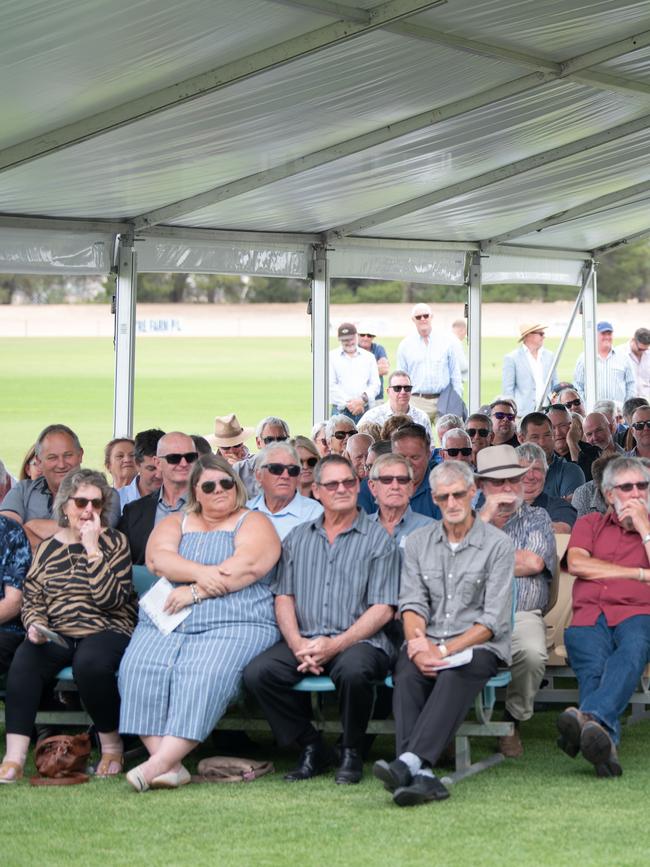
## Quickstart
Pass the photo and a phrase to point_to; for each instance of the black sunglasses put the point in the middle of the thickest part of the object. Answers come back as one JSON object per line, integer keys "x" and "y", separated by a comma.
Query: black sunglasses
{"x": 342, "y": 434}
{"x": 176, "y": 458}
{"x": 456, "y": 495}
{"x": 387, "y": 480}
{"x": 626, "y": 487}
{"x": 639, "y": 425}
{"x": 267, "y": 440}
{"x": 453, "y": 453}
{"x": 473, "y": 431}
{"x": 82, "y": 502}
{"x": 278, "y": 469}
{"x": 422, "y": 316}
{"x": 211, "y": 487}
{"x": 309, "y": 462}
{"x": 571, "y": 403}
{"x": 364, "y": 334}
{"x": 398, "y": 388}
{"x": 501, "y": 415}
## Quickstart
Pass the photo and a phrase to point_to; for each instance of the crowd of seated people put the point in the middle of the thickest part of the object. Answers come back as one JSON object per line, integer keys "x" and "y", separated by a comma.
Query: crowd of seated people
{"x": 363, "y": 549}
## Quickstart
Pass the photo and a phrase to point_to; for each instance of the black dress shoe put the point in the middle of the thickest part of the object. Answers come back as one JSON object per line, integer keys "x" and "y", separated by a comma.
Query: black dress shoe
{"x": 315, "y": 759}
{"x": 351, "y": 768}
{"x": 394, "y": 775}
{"x": 569, "y": 725}
{"x": 598, "y": 748}
{"x": 422, "y": 789}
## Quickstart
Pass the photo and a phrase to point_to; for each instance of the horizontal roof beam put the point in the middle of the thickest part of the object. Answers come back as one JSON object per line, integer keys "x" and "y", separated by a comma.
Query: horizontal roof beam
{"x": 627, "y": 239}
{"x": 62, "y": 224}
{"x": 208, "y": 82}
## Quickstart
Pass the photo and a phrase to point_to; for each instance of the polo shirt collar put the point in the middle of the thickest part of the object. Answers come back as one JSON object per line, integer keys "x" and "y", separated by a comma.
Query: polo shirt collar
{"x": 360, "y": 525}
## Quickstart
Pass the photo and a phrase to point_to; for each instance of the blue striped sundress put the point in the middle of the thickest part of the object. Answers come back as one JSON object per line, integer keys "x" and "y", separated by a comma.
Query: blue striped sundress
{"x": 181, "y": 684}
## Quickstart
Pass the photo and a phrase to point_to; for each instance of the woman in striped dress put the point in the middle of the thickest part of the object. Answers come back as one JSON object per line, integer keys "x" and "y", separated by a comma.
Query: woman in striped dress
{"x": 176, "y": 687}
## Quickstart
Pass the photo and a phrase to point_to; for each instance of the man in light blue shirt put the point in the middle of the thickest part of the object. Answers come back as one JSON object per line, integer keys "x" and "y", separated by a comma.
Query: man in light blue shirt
{"x": 615, "y": 378}
{"x": 277, "y": 472}
{"x": 391, "y": 484}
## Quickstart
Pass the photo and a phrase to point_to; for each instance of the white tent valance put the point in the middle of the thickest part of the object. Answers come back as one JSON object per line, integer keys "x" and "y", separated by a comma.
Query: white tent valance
{"x": 24, "y": 251}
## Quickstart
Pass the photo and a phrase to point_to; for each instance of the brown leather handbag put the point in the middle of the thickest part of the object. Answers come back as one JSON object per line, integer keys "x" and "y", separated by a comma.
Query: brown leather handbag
{"x": 61, "y": 760}
{"x": 229, "y": 769}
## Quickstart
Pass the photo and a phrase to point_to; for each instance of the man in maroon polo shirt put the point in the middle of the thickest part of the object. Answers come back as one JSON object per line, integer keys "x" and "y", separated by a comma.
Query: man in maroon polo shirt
{"x": 608, "y": 641}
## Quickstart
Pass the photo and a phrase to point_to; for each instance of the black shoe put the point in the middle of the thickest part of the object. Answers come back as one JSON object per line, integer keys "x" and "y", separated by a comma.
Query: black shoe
{"x": 315, "y": 759}
{"x": 570, "y": 724}
{"x": 598, "y": 748}
{"x": 394, "y": 775}
{"x": 351, "y": 768}
{"x": 422, "y": 789}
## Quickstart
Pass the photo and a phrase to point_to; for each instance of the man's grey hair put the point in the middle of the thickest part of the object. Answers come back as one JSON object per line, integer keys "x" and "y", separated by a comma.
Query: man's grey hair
{"x": 456, "y": 432}
{"x": 480, "y": 416}
{"x": 317, "y": 428}
{"x": 448, "y": 421}
{"x": 559, "y": 407}
{"x": 56, "y": 429}
{"x": 71, "y": 484}
{"x": 330, "y": 460}
{"x": 389, "y": 459}
{"x": 564, "y": 391}
{"x": 335, "y": 421}
{"x": 530, "y": 453}
{"x": 448, "y": 472}
{"x": 617, "y": 467}
{"x": 607, "y": 407}
{"x": 504, "y": 399}
{"x": 274, "y": 420}
{"x": 264, "y": 456}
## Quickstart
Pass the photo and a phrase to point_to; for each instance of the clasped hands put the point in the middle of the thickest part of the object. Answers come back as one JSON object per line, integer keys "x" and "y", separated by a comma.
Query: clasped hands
{"x": 313, "y": 653}
{"x": 424, "y": 654}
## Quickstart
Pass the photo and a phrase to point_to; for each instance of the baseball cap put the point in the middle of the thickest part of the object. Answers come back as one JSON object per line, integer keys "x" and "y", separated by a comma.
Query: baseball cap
{"x": 604, "y": 326}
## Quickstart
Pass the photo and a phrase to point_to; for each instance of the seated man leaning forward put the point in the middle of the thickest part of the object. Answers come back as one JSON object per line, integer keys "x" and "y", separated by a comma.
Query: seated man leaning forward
{"x": 335, "y": 591}
{"x": 455, "y": 594}
{"x": 278, "y": 472}
{"x": 608, "y": 641}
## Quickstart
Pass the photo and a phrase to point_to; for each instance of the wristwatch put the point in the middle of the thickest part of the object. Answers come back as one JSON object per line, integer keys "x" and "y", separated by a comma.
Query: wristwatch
{"x": 646, "y": 539}
{"x": 442, "y": 647}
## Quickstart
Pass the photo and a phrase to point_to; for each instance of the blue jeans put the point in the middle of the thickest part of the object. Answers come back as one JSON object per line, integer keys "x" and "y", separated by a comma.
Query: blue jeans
{"x": 608, "y": 662}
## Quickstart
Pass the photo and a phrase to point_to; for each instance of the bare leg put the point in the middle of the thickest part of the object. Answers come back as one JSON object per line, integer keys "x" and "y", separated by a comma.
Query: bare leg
{"x": 171, "y": 751}
{"x": 111, "y": 745}
{"x": 17, "y": 747}
{"x": 151, "y": 743}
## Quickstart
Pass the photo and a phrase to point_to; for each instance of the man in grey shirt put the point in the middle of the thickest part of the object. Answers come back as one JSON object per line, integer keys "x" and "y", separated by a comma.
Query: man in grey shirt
{"x": 335, "y": 591}
{"x": 455, "y": 595}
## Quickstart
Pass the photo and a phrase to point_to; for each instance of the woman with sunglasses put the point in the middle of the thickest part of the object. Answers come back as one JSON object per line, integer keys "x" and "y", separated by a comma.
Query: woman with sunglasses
{"x": 309, "y": 457}
{"x": 79, "y": 609}
{"x": 175, "y": 687}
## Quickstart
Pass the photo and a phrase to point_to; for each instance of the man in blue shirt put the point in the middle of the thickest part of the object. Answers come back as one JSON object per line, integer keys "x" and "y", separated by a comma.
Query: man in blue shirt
{"x": 366, "y": 336}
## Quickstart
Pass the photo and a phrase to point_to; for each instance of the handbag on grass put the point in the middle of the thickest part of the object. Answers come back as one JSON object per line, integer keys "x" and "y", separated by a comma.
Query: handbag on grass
{"x": 229, "y": 769}
{"x": 61, "y": 760}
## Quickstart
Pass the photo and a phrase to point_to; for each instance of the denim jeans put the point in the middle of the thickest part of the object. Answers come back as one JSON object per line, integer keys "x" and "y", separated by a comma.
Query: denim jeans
{"x": 608, "y": 662}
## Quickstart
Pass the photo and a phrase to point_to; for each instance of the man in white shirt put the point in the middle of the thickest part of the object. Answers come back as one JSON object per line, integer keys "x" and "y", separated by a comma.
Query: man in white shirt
{"x": 526, "y": 369}
{"x": 637, "y": 353}
{"x": 614, "y": 374}
{"x": 399, "y": 403}
{"x": 459, "y": 342}
{"x": 430, "y": 361}
{"x": 354, "y": 380}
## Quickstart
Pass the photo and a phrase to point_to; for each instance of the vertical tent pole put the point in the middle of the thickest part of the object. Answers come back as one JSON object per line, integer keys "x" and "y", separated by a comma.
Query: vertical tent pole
{"x": 124, "y": 340}
{"x": 474, "y": 332}
{"x": 320, "y": 329}
{"x": 589, "y": 337}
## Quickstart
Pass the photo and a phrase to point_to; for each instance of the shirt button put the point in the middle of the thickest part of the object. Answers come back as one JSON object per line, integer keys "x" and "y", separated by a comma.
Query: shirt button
{"x": 447, "y": 615}
{"x": 451, "y": 574}
{"x": 449, "y": 596}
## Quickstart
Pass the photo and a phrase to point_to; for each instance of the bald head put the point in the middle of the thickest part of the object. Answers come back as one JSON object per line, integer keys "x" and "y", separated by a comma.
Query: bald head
{"x": 597, "y": 430}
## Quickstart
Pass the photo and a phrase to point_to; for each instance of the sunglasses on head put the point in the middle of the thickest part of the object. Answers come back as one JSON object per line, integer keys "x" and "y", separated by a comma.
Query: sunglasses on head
{"x": 456, "y": 495}
{"x": 501, "y": 415}
{"x": 348, "y": 484}
{"x": 388, "y": 480}
{"x": 309, "y": 462}
{"x": 473, "y": 431}
{"x": 398, "y": 388}
{"x": 639, "y": 425}
{"x": 277, "y": 469}
{"x": 342, "y": 434}
{"x": 267, "y": 440}
{"x": 419, "y": 316}
{"x": 82, "y": 502}
{"x": 211, "y": 487}
{"x": 626, "y": 487}
{"x": 466, "y": 451}
{"x": 571, "y": 403}
{"x": 176, "y": 458}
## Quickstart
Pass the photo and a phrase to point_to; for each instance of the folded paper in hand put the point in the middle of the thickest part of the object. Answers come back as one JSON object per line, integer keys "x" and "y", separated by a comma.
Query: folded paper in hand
{"x": 153, "y": 603}
{"x": 455, "y": 660}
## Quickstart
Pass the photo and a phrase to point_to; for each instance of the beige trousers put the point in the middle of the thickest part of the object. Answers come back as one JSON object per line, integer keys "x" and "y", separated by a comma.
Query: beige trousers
{"x": 428, "y": 405}
{"x": 529, "y": 658}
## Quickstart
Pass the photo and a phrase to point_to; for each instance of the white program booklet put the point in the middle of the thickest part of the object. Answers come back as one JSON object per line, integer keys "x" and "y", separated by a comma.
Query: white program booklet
{"x": 153, "y": 602}
{"x": 454, "y": 660}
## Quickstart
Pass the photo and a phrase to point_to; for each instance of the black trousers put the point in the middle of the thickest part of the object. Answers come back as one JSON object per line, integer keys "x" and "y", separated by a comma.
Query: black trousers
{"x": 429, "y": 710}
{"x": 95, "y": 660}
{"x": 9, "y": 642}
{"x": 270, "y": 676}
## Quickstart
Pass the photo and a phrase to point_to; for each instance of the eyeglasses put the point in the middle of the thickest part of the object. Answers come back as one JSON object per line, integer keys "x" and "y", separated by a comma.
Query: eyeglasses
{"x": 361, "y": 334}
{"x": 541, "y": 333}
{"x": 388, "y": 480}
{"x": 453, "y": 453}
{"x": 277, "y": 469}
{"x": 473, "y": 431}
{"x": 456, "y": 495}
{"x": 398, "y": 388}
{"x": 499, "y": 483}
{"x": 422, "y": 316}
{"x": 267, "y": 440}
{"x": 571, "y": 403}
{"x": 639, "y": 425}
{"x": 308, "y": 462}
{"x": 211, "y": 487}
{"x": 348, "y": 484}
{"x": 626, "y": 487}
{"x": 230, "y": 448}
{"x": 176, "y": 458}
{"x": 82, "y": 502}
{"x": 342, "y": 434}
{"x": 501, "y": 415}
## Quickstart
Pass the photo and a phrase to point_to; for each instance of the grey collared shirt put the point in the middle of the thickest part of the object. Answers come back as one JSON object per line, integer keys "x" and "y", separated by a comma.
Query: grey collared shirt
{"x": 530, "y": 529}
{"x": 32, "y": 500}
{"x": 453, "y": 590}
{"x": 334, "y": 584}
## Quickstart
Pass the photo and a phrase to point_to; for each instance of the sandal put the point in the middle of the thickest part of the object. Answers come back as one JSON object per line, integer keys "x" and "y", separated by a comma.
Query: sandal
{"x": 103, "y": 769}
{"x": 8, "y": 766}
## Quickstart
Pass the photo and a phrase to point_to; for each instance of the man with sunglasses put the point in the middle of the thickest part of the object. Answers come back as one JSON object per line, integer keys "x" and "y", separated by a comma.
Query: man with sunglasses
{"x": 175, "y": 454}
{"x": 430, "y": 361}
{"x": 269, "y": 430}
{"x": 354, "y": 378}
{"x": 570, "y": 399}
{"x": 641, "y": 433}
{"x": 399, "y": 403}
{"x": 526, "y": 369}
{"x": 608, "y": 641}
{"x": 391, "y": 484}
{"x": 503, "y": 412}
{"x": 338, "y": 431}
{"x": 335, "y": 591}
{"x": 278, "y": 473}
{"x": 478, "y": 428}
{"x": 366, "y": 336}
{"x": 637, "y": 351}
{"x": 501, "y": 480}
{"x": 457, "y": 446}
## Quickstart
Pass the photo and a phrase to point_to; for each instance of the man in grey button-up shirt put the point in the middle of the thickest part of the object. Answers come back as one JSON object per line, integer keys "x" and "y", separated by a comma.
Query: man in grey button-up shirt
{"x": 455, "y": 594}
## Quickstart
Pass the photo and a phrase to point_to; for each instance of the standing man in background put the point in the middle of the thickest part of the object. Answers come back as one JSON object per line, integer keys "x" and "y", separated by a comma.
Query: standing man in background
{"x": 526, "y": 369}
{"x": 637, "y": 354}
{"x": 367, "y": 334}
{"x": 354, "y": 379}
{"x": 614, "y": 375}
{"x": 459, "y": 341}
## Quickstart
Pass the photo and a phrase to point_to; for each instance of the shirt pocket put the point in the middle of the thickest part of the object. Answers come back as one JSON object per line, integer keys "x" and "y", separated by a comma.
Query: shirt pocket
{"x": 473, "y": 589}
{"x": 434, "y": 583}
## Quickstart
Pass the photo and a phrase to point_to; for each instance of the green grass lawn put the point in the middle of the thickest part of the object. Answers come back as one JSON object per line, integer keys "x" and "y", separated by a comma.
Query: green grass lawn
{"x": 181, "y": 383}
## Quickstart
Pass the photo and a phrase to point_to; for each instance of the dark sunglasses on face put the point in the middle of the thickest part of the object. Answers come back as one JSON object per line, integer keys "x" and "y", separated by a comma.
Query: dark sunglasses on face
{"x": 473, "y": 431}
{"x": 639, "y": 425}
{"x": 398, "y": 388}
{"x": 267, "y": 440}
{"x": 571, "y": 403}
{"x": 362, "y": 334}
{"x": 309, "y": 462}
{"x": 501, "y": 415}
{"x": 422, "y": 316}
{"x": 348, "y": 484}
{"x": 82, "y": 502}
{"x": 626, "y": 487}
{"x": 388, "y": 480}
{"x": 175, "y": 458}
{"x": 456, "y": 495}
{"x": 211, "y": 487}
{"x": 277, "y": 469}
{"x": 453, "y": 453}
{"x": 499, "y": 483}
{"x": 342, "y": 434}
{"x": 230, "y": 448}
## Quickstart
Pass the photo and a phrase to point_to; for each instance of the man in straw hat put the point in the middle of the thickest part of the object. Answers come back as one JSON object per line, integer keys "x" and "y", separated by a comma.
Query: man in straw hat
{"x": 526, "y": 369}
{"x": 500, "y": 477}
{"x": 229, "y": 438}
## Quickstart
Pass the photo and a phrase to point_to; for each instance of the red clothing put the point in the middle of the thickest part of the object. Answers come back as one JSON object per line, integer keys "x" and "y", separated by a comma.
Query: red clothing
{"x": 605, "y": 539}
